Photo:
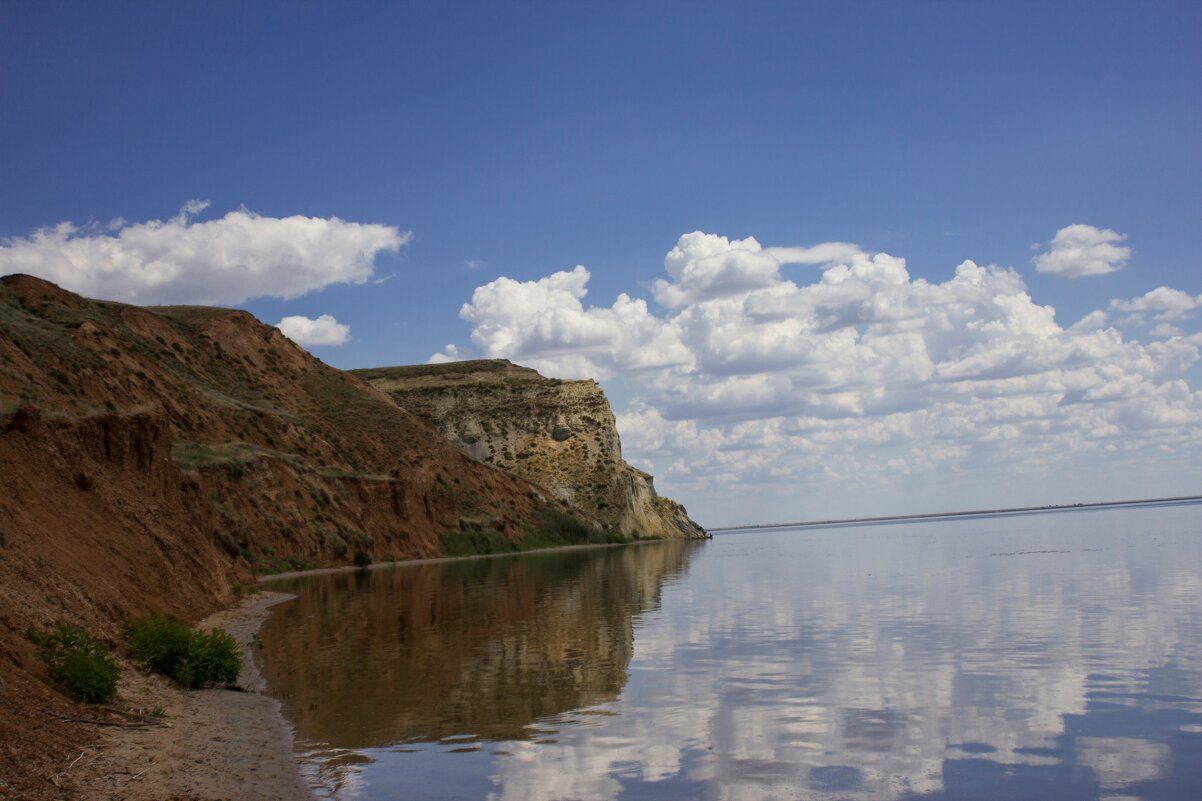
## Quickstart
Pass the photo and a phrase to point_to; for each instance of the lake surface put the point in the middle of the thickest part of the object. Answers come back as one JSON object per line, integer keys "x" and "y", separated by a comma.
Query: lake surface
{"x": 1050, "y": 656}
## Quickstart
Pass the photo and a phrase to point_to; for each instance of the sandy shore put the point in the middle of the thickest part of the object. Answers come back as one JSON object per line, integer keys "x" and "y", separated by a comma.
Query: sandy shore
{"x": 210, "y": 745}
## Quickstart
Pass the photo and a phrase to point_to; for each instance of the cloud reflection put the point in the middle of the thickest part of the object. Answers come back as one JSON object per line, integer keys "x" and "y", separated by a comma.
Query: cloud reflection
{"x": 907, "y": 663}
{"x": 965, "y": 660}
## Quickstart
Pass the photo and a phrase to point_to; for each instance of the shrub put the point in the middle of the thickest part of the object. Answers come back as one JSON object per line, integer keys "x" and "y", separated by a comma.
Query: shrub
{"x": 558, "y": 528}
{"x": 193, "y": 658}
{"x": 79, "y": 663}
{"x": 158, "y": 642}
{"x": 338, "y": 545}
{"x": 362, "y": 559}
{"x": 474, "y": 540}
{"x": 211, "y": 661}
{"x": 561, "y": 525}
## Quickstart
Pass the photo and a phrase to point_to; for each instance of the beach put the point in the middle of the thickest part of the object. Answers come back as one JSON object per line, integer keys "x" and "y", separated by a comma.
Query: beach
{"x": 208, "y": 744}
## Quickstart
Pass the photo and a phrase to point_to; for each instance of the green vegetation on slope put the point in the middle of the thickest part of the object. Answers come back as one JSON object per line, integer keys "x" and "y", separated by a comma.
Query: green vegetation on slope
{"x": 79, "y": 663}
{"x": 555, "y": 529}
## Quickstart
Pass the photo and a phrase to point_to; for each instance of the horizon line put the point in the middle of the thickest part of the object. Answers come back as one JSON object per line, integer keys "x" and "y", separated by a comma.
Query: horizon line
{"x": 968, "y": 513}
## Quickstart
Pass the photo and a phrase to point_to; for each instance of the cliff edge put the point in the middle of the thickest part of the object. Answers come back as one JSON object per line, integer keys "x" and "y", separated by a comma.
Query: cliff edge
{"x": 558, "y": 434}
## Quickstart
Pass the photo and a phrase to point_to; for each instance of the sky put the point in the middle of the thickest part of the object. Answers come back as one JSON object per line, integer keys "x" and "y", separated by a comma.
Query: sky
{"x": 827, "y": 260}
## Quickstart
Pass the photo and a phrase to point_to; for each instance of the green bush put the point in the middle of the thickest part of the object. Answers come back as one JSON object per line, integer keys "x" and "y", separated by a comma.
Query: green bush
{"x": 81, "y": 664}
{"x": 213, "y": 660}
{"x": 193, "y": 658}
{"x": 362, "y": 559}
{"x": 158, "y": 642}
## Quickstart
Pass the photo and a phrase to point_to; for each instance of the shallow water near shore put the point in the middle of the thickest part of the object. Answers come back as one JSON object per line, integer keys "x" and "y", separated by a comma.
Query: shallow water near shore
{"x": 1050, "y": 656}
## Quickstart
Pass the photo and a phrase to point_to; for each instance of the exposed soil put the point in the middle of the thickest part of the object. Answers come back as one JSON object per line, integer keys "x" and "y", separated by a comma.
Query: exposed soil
{"x": 210, "y": 744}
{"x": 159, "y": 460}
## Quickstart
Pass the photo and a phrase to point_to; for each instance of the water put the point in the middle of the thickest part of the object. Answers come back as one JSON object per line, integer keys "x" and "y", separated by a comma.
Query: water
{"x": 1052, "y": 656}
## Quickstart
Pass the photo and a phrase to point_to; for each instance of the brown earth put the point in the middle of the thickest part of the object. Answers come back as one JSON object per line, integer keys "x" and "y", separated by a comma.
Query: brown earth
{"x": 200, "y": 744}
{"x": 156, "y": 460}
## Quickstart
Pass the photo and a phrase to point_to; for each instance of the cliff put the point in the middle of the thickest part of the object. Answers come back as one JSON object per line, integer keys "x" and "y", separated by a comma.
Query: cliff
{"x": 157, "y": 459}
{"x": 557, "y": 434}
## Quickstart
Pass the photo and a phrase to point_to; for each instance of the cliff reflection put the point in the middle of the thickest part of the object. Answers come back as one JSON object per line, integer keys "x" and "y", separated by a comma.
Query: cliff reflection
{"x": 478, "y": 649}
{"x": 1045, "y": 658}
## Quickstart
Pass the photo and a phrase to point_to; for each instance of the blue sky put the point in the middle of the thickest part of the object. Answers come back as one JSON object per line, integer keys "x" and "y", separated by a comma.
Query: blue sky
{"x": 518, "y": 140}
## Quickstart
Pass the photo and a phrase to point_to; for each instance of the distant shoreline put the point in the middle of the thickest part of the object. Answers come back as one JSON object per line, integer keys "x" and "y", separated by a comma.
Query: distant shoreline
{"x": 1020, "y": 510}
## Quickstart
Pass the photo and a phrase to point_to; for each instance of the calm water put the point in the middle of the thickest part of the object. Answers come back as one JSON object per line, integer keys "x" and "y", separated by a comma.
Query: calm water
{"x": 1053, "y": 656}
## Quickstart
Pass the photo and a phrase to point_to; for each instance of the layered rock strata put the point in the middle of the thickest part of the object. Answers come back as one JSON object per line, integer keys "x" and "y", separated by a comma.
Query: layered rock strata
{"x": 560, "y": 435}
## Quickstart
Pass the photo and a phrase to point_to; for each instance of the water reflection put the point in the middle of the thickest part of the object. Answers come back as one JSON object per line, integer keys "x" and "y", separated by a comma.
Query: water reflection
{"x": 464, "y": 651}
{"x": 1055, "y": 656}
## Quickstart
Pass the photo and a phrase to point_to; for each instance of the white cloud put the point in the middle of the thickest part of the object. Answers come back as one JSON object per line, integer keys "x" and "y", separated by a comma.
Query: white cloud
{"x": 706, "y": 266}
{"x": 853, "y": 375}
{"x": 325, "y": 330}
{"x": 1164, "y": 303}
{"x": 544, "y": 323}
{"x": 448, "y": 354}
{"x": 1081, "y": 250}
{"x": 223, "y": 261}
{"x": 1165, "y": 330}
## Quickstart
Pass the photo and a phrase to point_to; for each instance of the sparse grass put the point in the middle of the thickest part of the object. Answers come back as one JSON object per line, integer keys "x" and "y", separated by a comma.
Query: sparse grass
{"x": 194, "y": 455}
{"x": 422, "y": 370}
{"x": 556, "y": 529}
{"x": 475, "y": 540}
{"x": 279, "y": 564}
{"x": 79, "y": 663}
{"x": 342, "y": 472}
{"x": 233, "y": 457}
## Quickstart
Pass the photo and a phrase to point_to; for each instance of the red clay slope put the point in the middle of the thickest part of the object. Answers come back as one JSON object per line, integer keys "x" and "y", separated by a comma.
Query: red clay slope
{"x": 156, "y": 459}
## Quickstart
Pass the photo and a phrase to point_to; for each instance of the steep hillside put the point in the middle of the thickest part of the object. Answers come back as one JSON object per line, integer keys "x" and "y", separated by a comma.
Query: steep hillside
{"x": 557, "y": 434}
{"x": 156, "y": 459}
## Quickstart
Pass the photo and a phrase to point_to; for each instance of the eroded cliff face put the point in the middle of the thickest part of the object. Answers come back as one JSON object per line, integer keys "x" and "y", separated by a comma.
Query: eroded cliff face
{"x": 560, "y": 435}
{"x": 155, "y": 460}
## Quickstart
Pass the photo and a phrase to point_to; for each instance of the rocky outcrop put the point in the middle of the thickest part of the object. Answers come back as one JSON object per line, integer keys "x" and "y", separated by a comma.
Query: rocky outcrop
{"x": 557, "y": 434}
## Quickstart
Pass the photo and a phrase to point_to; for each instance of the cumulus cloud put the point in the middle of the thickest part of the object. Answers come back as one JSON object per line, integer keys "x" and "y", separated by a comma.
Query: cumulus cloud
{"x": 222, "y": 261}
{"x": 1080, "y": 250}
{"x": 545, "y": 322}
{"x": 325, "y": 330}
{"x": 448, "y": 354}
{"x": 855, "y": 372}
{"x": 1164, "y": 304}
